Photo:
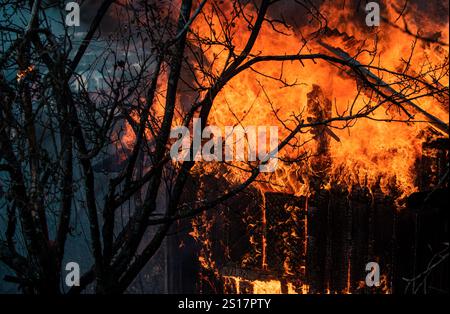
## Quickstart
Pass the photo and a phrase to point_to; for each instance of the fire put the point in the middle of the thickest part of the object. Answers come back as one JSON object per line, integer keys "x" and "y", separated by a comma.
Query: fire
{"x": 368, "y": 153}
{"x": 23, "y": 73}
{"x": 264, "y": 286}
{"x": 367, "y": 150}
{"x": 376, "y": 152}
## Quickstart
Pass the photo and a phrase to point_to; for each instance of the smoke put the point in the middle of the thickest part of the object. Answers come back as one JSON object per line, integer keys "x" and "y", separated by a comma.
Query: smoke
{"x": 296, "y": 13}
{"x": 123, "y": 11}
{"x": 347, "y": 16}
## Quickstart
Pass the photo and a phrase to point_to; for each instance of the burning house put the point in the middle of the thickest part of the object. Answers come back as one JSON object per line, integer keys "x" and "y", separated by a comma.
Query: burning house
{"x": 314, "y": 226}
{"x": 277, "y": 242}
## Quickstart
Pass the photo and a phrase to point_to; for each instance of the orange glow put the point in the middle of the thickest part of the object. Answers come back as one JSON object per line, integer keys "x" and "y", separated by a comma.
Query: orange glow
{"x": 22, "y": 74}
{"x": 265, "y": 286}
{"x": 369, "y": 149}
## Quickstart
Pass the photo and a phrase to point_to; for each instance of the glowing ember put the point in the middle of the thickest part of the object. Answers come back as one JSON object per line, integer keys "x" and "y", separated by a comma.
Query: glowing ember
{"x": 23, "y": 73}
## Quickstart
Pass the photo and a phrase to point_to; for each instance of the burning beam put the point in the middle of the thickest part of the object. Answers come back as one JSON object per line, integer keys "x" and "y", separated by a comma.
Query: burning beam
{"x": 432, "y": 120}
